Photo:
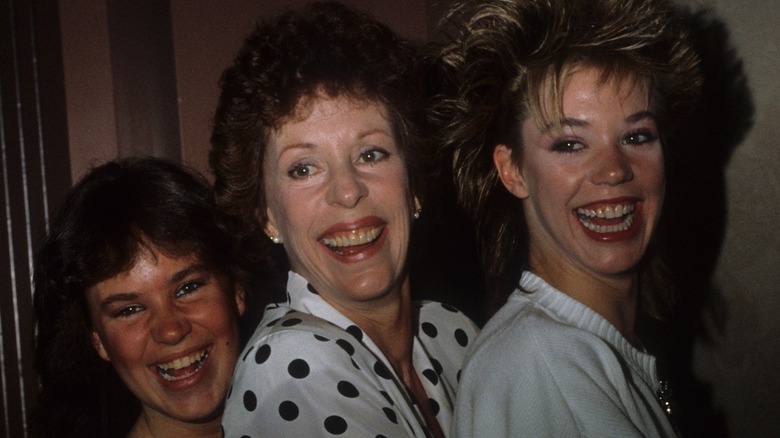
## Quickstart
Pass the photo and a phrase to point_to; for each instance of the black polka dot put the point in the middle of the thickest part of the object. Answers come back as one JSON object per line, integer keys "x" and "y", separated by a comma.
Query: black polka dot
{"x": 335, "y": 425}
{"x": 354, "y": 364}
{"x": 387, "y": 396}
{"x": 356, "y": 332}
{"x": 390, "y": 413}
{"x": 381, "y": 370}
{"x": 273, "y": 323}
{"x": 347, "y": 389}
{"x": 311, "y": 289}
{"x": 247, "y": 353}
{"x": 434, "y": 406}
{"x": 250, "y": 401}
{"x": 429, "y": 329}
{"x": 320, "y": 338}
{"x": 298, "y": 368}
{"x": 461, "y": 337}
{"x": 262, "y": 354}
{"x": 288, "y": 410}
{"x": 457, "y": 376}
{"x": 230, "y": 391}
{"x": 291, "y": 322}
{"x": 431, "y": 376}
{"x": 449, "y": 308}
{"x": 378, "y": 436}
{"x": 343, "y": 343}
{"x": 437, "y": 366}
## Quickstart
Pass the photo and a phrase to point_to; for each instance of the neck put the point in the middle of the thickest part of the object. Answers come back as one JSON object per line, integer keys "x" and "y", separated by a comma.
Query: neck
{"x": 613, "y": 297}
{"x": 389, "y": 323}
{"x": 151, "y": 424}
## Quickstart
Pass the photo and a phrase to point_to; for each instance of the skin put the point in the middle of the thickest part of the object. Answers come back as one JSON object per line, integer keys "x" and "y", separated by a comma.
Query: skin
{"x": 332, "y": 173}
{"x": 337, "y": 171}
{"x": 606, "y": 154}
{"x": 163, "y": 309}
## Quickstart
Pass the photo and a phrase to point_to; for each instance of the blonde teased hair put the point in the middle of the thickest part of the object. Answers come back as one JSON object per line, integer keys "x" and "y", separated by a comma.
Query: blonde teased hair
{"x": 502, "y": 59}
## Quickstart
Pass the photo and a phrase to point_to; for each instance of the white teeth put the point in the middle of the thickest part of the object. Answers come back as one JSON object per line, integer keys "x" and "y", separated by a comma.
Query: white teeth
{"x": 603, "y": 229}
{"x": 196, "y": 358}
{"x": 352, "y": 238}
{"x": 608, "y": 212}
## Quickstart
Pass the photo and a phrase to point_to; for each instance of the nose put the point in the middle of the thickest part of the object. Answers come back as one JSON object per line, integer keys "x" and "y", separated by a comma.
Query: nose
{"x": 346, "y": 187}
{"x": 612, "y": 166}
{"x": 170, "y": 326}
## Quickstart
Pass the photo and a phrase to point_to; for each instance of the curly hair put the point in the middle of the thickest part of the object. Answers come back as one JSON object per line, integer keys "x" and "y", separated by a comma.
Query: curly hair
{"x": 324, "y": 49}
{"x": 502, "y": 59}
{"x": 108, "y": 218}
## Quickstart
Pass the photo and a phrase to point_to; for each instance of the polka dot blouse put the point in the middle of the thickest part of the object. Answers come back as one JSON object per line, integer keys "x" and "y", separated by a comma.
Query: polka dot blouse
{"x": 308, "y": 371}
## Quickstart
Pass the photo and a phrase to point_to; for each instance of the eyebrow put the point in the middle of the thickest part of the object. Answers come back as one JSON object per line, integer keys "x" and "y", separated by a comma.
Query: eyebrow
{"x": 116, "y": 298}
{"x": 132, "y": 296}
{"x": 579, "y": 123}
{"x": 179, "y": 276}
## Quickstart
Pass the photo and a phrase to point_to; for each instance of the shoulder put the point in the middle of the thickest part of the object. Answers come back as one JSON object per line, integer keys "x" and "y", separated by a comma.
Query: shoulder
{"x": 525, "y": 342}
{"x": 299, "y": 338}
{"x": 436, "y": 318}
{"x": 446, "y": 335}
{"x": 446, "y": 332}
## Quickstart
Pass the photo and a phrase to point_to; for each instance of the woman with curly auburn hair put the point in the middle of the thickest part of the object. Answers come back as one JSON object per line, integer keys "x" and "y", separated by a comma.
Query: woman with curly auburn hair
{"x": 316, "y": 143}
{"x": 557, "y": 115}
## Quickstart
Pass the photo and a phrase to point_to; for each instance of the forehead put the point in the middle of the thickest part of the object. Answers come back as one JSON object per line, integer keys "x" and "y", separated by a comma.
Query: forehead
{"x": 594, "y": 83}
{"x": 324, "y": 118}
{"x": 321, "y": 102}
{"x": 578, "y": 80}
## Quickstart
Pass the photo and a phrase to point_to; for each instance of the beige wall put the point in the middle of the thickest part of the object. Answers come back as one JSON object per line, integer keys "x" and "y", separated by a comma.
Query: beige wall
{"x": 741, "y": 361}
{"x": 207, "y": 35}
{"x": 88, "y": 84}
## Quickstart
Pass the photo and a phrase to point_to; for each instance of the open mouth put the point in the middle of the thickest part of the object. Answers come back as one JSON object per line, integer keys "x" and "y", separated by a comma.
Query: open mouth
{"x": 183, "y": 367}
{"x": 608, "y": 218}
{"x": 344, "y": 243}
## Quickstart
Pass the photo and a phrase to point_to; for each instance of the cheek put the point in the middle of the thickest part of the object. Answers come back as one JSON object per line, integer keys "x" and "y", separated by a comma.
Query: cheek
{"x": 124, "y": 346}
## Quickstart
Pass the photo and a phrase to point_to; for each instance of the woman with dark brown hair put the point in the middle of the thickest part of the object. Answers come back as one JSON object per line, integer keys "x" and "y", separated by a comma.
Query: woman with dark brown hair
{"x": 139, "y": 289}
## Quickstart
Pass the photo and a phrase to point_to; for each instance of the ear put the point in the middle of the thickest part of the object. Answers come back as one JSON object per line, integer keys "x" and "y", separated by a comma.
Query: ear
{"x": 417, "y": 203}
{"x": 240, "y": 299}
{"x": 269, "y": 225}
{"x": 98, "y": 344}
{"x": 509, "y": 171}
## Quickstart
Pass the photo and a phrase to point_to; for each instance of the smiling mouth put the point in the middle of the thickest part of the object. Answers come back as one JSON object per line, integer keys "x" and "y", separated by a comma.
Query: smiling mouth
{"x": 345, "y": 242}
{"x": 183, "y": 367}
{"x": 607, "y": 219}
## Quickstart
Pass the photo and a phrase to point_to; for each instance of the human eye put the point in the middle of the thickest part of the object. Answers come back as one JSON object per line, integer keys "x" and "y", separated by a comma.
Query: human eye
{"x": 301, "y": 171}
{"x": 188, "y": 288}
{"x": 639, "y": 138}
{"x": 128, "y": 311}
{"x": 567, "y": 146}
{"x": 373, "y": 155}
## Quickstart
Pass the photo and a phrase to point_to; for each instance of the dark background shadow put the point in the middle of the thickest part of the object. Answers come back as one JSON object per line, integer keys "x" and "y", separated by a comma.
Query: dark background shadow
{"x": 694, "y": 224}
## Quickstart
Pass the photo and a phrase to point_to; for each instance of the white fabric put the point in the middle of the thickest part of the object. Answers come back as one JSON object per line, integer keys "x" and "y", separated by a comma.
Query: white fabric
{"x": 308, "y": 371}
{"x": 546, "y": 365}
